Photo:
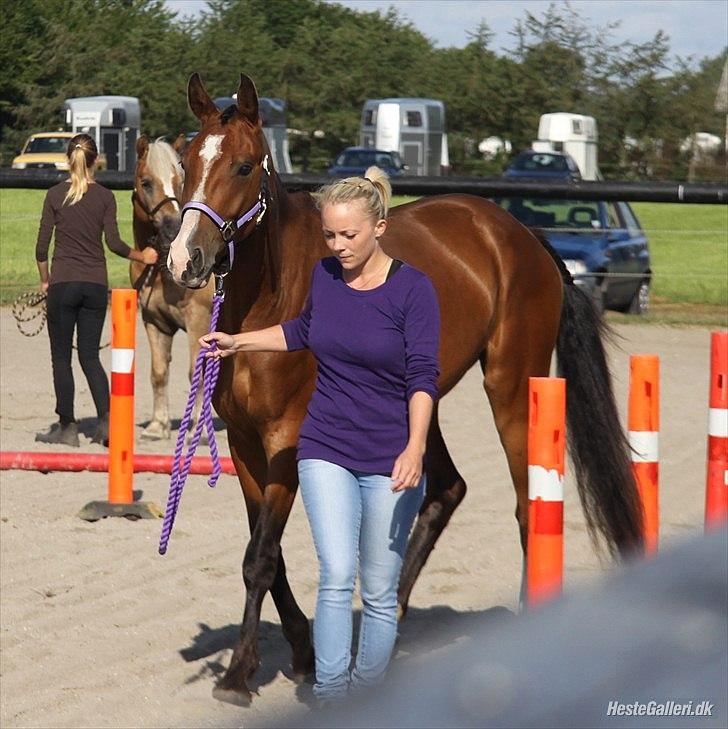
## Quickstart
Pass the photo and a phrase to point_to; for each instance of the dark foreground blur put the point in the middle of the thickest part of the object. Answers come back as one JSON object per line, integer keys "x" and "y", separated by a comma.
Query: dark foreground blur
{"x": 654, "y": 632}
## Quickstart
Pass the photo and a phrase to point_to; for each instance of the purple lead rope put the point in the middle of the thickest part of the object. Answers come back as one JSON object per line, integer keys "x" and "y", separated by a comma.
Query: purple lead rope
{"x": 210, "y": 368}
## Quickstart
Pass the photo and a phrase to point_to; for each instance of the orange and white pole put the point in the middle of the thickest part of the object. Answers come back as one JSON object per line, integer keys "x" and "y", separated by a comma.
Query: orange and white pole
{"x": 716, "y": 488}
{"x": 121, "y": 415}
{"x": 546, "y": 438}
{"x": 643, "y": 423}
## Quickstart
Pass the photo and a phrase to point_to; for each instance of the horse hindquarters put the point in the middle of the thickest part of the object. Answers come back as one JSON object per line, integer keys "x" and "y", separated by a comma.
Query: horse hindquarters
{"x": 597, "y": 444}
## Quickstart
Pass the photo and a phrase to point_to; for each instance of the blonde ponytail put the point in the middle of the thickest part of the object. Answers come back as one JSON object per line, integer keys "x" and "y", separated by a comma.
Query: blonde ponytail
{"x": 373, "y": 190}
{"x": 82, "y": 154}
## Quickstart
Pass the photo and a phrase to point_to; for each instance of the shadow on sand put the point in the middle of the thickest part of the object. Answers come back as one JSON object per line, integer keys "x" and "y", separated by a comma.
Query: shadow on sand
{"x": 210, "y": 647}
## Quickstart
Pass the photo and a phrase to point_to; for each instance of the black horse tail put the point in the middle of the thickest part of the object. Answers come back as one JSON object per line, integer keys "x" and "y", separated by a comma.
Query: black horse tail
{"x": 598, "y": 446}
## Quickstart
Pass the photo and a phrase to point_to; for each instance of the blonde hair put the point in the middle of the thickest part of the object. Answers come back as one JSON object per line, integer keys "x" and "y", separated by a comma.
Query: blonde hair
{"x": 373, "y": 189}
{"x": 82, "y": 154}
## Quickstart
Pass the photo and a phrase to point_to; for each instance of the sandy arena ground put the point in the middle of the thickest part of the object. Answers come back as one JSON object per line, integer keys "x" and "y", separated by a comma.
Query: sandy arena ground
{"x": 98, "y": 630}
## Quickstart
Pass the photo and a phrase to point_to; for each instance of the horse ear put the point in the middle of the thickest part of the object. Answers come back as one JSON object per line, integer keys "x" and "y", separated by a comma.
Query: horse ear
{"x": 179, "y": 144}
{"x": 247, "y": 99}
{"x": 142, "y": 145}
{"x": 200, "y": 102}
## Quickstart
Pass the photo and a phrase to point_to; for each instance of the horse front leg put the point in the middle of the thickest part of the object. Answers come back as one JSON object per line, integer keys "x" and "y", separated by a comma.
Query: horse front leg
{"x": 160, "y": 346}
{"x": 264, "y": 568}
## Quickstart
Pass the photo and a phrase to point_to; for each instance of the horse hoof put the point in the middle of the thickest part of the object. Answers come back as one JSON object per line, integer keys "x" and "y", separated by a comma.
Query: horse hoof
{"x": 155, "y": 432}
{"x": 229, "y": 696}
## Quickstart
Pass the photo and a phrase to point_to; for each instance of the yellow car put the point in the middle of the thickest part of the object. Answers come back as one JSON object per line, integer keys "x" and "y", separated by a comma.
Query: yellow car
{"x": 47, "y": 150}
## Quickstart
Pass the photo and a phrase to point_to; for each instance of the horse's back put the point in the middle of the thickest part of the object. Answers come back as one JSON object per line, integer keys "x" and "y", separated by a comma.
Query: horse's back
{"x": 475, "y": 231}
{"x": 483, "y": 263}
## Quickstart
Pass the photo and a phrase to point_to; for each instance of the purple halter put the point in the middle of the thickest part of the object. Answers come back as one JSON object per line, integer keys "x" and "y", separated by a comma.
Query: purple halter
{"x": 228, "y": 228}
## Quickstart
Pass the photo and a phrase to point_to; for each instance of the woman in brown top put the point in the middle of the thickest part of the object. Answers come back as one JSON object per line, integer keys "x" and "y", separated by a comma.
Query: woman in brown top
{"x": 80, "y": 210}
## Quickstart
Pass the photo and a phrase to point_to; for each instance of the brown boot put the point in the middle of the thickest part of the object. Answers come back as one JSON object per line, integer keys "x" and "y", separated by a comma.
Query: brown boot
{"x": 60, "y": 435}
{"x": 101, "y": 435}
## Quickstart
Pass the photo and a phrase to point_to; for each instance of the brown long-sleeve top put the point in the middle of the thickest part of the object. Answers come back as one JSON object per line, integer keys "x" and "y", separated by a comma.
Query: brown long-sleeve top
{"x": 78, "y": 254}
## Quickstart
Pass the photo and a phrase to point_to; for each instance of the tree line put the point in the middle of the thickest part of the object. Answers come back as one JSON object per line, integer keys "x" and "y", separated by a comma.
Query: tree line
{"x": 324, "y": 60}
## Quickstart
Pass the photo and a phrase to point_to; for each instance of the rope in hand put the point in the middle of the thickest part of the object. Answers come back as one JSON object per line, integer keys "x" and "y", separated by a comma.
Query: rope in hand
{"x": 208, "y": 370}
{"x": 30, "y": 306}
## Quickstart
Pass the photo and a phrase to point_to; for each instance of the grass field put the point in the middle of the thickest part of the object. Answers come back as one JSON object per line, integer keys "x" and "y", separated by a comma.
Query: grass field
{"x": 688, "y": 245}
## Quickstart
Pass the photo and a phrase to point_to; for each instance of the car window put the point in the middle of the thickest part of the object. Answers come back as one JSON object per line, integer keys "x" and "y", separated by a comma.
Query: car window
{"x": 539, "y": 162}
{"x": 384, "y": 160}
{"x": 613, "y": 217}
{"x": 356, "y": 159}
{"x": 576, "y": 216}
{"x": 630, "y": 222}
{"x": 44, "y": 145}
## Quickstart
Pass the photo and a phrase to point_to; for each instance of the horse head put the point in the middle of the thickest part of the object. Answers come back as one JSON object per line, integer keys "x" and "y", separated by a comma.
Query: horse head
{"x": 226, "y": 182}
{"x": 158, "y": 181}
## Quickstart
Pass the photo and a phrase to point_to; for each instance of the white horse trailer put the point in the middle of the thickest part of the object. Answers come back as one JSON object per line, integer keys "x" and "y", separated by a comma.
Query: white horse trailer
{"x": 113, "y": 121}
{"x": 574, "y": 134}
{"x": 413, "y": 127}
{"x": 272, "y": 114}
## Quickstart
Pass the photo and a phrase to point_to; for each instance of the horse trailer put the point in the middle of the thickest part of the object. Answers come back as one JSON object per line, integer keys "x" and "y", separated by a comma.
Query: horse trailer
{"x": 113, "y": 121}
{"x": 415, "y": 128}
{"x": 273, "y": 118}
{"x": 574, "y": 134}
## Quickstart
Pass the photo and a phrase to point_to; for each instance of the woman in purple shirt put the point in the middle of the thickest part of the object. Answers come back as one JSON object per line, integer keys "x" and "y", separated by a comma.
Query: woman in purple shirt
{"x": 373, "y": 324}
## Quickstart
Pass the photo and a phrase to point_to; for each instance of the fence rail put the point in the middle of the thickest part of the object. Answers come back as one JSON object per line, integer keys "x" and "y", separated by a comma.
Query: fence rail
{"x": 623, "y": 190}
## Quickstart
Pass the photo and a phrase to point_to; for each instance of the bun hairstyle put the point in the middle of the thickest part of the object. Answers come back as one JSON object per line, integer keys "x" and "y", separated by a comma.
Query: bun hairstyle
{"x": 82, "y": 154}
{"x": 373, "y": 190}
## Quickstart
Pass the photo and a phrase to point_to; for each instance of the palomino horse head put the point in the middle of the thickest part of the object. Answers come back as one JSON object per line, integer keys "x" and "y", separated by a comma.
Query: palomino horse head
{"x": 158, "y": 184}
{"x": 226, "y": 179}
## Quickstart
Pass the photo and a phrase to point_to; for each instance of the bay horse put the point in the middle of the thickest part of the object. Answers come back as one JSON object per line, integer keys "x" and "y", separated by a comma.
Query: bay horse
{"x": 166, "y": 306}
{"x": 506, "y": 302}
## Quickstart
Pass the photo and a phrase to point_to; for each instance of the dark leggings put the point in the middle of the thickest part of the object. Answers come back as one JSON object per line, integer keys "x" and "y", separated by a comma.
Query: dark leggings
{"x": 81, "y": 305}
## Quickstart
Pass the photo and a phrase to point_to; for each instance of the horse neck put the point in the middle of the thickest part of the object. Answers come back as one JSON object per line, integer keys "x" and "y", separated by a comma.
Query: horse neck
{"x": 273, "y": 264}
{"x": 142, "y": 228}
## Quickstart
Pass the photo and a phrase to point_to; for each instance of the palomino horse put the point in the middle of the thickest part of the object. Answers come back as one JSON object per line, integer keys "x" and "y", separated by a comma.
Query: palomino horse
{"x": 166, "y": 307}
{"x": 505, "y": 302}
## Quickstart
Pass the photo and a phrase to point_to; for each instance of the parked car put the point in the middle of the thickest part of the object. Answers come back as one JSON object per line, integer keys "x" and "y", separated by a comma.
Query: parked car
{"x": 355, "y": 161}
{"x": 545, "y": 165}
{"x": 47, "y": 150}
{"x": 601, "y": 243}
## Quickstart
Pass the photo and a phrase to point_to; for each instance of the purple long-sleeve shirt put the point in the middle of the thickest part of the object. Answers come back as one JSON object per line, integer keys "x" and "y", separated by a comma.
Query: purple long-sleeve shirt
{"x": 374, "y": 349}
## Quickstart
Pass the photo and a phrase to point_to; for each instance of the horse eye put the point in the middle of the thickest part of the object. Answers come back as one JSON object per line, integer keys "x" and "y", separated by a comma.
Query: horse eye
{"x": 245, "y": 169}
{"x": 147, "y": 184}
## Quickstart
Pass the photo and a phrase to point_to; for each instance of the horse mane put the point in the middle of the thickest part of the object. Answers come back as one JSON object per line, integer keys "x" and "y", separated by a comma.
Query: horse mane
{"x": 162, "y": 160}
{"x": 228, "y": 113}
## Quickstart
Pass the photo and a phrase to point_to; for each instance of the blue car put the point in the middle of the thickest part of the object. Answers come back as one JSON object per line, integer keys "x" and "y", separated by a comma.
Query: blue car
{"x": 544, "y": 165}
{"x": 601, "y": 243}
{"x": 356, "y": 160}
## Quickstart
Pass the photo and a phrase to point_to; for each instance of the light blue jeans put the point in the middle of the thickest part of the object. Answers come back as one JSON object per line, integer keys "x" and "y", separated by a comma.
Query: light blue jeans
{"x": 355, "y": 517}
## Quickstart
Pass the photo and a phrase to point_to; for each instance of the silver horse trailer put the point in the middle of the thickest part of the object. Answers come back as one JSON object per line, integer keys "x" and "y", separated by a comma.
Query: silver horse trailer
{"x": 413, "y": 127}
{"x": 273, "y": 117}
{"x": 113, "y": 121}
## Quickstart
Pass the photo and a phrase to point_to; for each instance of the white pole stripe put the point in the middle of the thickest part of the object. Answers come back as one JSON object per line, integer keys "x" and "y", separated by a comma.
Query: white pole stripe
{"x": 718, "y": 422}
{"x": 122, "y": 360}
{"x": 725, "y": 477}
{"x": 644, "y": 446}
{"x": 547, "y": 485}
